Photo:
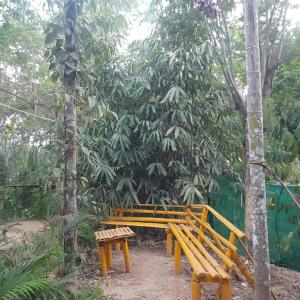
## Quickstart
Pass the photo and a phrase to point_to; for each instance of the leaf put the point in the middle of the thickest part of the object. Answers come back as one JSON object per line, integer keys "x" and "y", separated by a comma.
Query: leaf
{"x": 288, "y": 139}
{"x": 157, "y": 168}
{"x": 92, "y": 101}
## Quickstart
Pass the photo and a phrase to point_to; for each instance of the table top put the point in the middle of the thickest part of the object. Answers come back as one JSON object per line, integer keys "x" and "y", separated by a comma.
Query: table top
{"x": 112, "y": 234}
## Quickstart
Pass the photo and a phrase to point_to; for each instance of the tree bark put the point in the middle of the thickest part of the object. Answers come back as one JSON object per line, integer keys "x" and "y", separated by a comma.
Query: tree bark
{"x": 70, "y": 184}
{"x": 248, "y": 202}
{"x": 267, "y": 84}
{"x": 257, "y": 192}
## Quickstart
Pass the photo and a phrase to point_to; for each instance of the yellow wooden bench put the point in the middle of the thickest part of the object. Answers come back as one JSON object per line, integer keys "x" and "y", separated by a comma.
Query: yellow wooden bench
{"x": 104, "y": 241}
{"x": 193, "y": 235}
{"x": 204, "y": 265}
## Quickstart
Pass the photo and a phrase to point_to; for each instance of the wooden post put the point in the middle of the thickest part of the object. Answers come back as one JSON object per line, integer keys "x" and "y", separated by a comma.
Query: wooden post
{"x": 108, "y": 253}
{"x": 126, "y": 256}
{"x": 196, "y": 288}
{"x": 229, "y": 251}
{"x": 188, "y": 209}
{"x": 118, "y": 247}
{"x": 118, "y": 244}
{"x": 203, "y": 219}
{"x": 224, "y": 290}
{"x": 102, "y": 259}
{"x": 177, "y": 257}
{"x": 243, "y": 268}
{"x": 169, "y": 243}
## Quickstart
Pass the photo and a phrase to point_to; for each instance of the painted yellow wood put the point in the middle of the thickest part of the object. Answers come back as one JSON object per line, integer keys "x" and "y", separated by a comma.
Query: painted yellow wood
{"x": 177, "y": 258}
{"x": 225, "y": 290}
{"x": 126, "y": 256}
{"x": 136, "y": 224}
{"x": 154, "y": 212}
{"x": 108, "y": 254}
{"x": 217, "y": 251}
{"x": 148, "y": 219}
{"x": 169, "y": 243}
{"x": 102, "y": 259}
{"x": 188, "y": 210}
{"x": 203, "y": 221}
{"x": 218, "y": 243}
{"x": 168, "y": 205}
{"x": 205, "y": 253}
{"x": 243, "y": 268}
{"x": 118, "y": 247}
{"x": 204, "y": 263}
{"x": 112, "y": 234}
{"x": 228, "y": 224}
{"x": 213, "y": 233}
{"x": 229, "y": 251}
{"x": 196, "y": 288}
{"x": 180, "y": 222}
{"x": 198, "y": 269}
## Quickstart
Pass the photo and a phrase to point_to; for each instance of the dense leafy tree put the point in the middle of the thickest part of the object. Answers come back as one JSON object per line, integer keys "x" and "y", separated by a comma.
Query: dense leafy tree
{"x": 163, "y": 142}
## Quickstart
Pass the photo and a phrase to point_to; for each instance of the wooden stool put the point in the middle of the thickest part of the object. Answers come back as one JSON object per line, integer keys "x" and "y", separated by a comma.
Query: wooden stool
{"x": 104, "y": 241}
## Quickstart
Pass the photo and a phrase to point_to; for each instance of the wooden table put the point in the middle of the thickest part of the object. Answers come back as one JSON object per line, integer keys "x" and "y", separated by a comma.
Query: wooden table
{"x": 104, "y": 241}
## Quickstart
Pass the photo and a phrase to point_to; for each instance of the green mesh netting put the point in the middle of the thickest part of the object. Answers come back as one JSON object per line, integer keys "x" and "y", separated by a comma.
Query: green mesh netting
{"x": 283, "y": 220}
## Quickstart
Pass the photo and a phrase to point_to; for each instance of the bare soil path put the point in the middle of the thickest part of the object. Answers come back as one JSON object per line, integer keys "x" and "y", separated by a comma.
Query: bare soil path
{"x": 17, "y": 229}
{"x": 152, "y": 277}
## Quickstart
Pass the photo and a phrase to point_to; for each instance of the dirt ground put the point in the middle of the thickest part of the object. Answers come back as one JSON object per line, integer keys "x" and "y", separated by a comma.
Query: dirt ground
{"x": 19, "y": 228}
{"x": 152, "y": 277}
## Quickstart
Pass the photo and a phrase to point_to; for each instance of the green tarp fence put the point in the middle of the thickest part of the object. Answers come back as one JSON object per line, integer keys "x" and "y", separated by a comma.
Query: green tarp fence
{"x": 283, "y": 219}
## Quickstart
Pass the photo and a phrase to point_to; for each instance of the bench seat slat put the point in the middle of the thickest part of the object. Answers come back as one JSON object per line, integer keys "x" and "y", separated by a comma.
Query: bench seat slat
{"x": 205, "y": 264}
{"x": 198, "y": 269}
{"x": 210, "y": 244}
{"x": 112, "y": 234}
{"x": 147, "y": 219}
{"x": 137, "y": 224}
{"x": 207, "y": 255}
{"x": 213, "y": 232}
{"x": 154, "y": 212}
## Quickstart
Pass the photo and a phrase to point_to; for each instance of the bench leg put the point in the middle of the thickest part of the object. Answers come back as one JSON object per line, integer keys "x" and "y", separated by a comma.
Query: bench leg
{"x": 126, "y": 256}
{"x": 108, "y": 252}
{"x": 196, "y": 288}
{"x": 102, "y": 259}
{"x": 118, "y": 247}
{"x": 169, "y": 243}
{"x": 224, "y": 290}
{"x": 177, "y": 257}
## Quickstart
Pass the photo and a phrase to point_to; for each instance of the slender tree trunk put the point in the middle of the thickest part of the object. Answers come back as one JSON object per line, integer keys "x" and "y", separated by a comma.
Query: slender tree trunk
{"x": 248, "y": 202}
{"x": 256, "y": 152}
{"x": 267, "y": 84}
{"x": 70, "y": 184}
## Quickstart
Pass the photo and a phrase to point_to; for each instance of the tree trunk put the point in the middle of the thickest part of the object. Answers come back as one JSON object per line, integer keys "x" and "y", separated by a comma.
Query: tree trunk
{"x": 267, "y": 84}
{"x": 257, "y": 192}
{"x": 70, "y": 184}
{"x": 248, "y": 202}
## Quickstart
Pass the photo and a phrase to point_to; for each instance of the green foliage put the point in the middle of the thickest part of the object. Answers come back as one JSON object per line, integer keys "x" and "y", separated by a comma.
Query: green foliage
{"x": 27, "y": 202}
{"x": 163, "y": 143}
{"x": 32, "y": 268}
{"x": 30, "y": 279}
{"x": 91, "y": 292}
{"x": 3, "y": 170}
{"x": 282, "y": 113}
